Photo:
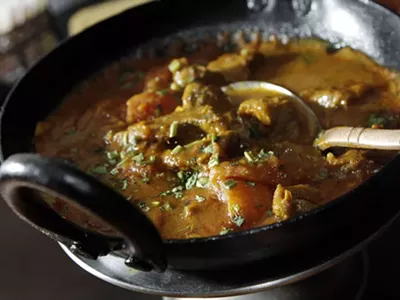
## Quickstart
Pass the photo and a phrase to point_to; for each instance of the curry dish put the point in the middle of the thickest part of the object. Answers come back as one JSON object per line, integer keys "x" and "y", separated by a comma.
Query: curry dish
{"x": 200, "y": 163}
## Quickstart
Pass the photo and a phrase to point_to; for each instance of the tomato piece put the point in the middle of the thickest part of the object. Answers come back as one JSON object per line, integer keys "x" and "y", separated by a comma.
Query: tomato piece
{"x": 148, "y": 105}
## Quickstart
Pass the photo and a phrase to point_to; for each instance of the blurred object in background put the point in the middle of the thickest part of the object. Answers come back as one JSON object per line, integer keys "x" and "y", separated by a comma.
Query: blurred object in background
{"x": 31, "y": 28}
{"x": 91, "y": 15}
{"x": 25, "y": 36}
{"x": 391, "y": 4}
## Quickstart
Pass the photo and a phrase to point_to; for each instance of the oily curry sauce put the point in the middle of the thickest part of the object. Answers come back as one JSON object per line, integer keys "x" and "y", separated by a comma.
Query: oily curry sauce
{"x": 161, "y": 132}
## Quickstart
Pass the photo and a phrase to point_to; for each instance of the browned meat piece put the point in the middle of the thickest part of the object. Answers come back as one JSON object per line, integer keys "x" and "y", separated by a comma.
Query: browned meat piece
{"x": 305, "y": 192}
{"x": 351, "y": 159}
{"x": 233, "y": 67}
{"x": 278, "y": 117}
{"x": 268, "y": 110}
{"x": 335, "y": 97}
{"x": 197, "y": 94}
{"x": 159, "y": 129}
{"x": 282, "y": 203}
{"x": 302, "y": 206}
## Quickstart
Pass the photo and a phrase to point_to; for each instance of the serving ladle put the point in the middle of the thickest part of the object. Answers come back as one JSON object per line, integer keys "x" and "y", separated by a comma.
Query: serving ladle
{"x": 342, "y": 136}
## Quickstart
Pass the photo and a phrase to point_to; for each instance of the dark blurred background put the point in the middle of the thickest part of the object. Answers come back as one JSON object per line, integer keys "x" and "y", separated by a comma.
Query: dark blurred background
{"x": 32, "y": 266}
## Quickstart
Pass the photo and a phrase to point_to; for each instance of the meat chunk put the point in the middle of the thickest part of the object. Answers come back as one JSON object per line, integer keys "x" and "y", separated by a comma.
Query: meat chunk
{"x": 148, "y": 105}
{"x": 278, "y": 117}
{"x": 197, "y": 94}
{"x": 268, "y": 110}
{"x": 184, "y": 73}
{"x": 159, "y": 129}
{"x": 336, "y": 98}
{"x": 305, "y": 192}
{"x": 351, "y": 159}
{"x": 233, "y": 67}
{"x": 282, "y": 203}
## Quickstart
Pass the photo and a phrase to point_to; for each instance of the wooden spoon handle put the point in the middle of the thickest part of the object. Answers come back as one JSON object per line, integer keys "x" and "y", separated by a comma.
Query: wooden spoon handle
{"x": 358, "y": 137}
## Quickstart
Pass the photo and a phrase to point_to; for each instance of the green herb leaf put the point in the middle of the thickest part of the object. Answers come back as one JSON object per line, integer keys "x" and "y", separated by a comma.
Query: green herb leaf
{"x": 112, "y": 155}
{"x": 225, "y": 231}
{"x": 191, "y": 182}
{"x": 250, "y": 183}
{"x": 166, "y": 207}
{"x": 144, "y": 206}
{"x": 214, "y": 161}
{"x": 101, "y": 170}
{"x": 236, "y": 207}
{"x": 376, "y": 119}
{"x": 202, "y": 182}
{"x": 214, "y": 138}
{"x": 174, "y": 65}
{"x": 200, "y": 198}
{"x": 114, "y": 171}
{"x": 250, "y": 157}
{"x": 238, "y": 220}
{"x": 177, "y": 149}
{"x": 229, "y": 184}
{"x": 125, "y": 184}
{"x": 207, "y": 149}
{"x": 138, "y": 158}
{"x": 173, "y": 129}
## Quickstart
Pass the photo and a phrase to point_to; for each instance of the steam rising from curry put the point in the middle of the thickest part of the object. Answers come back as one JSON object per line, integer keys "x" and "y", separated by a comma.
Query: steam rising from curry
{"x": 197, "y": 163}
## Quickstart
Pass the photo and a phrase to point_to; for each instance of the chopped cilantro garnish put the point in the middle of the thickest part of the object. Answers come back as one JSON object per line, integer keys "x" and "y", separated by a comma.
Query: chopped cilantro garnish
{"x": 200, "y": 198}
{"x": 112, "y": 155}
{"x": 250, "y": 157}
{"x": 166, "y": 207}
{"x": 173, "y": 129}
{"x": 191, "y": 181}
{"x": 177, "y": 150}
{"x": 114, "y": 171}
{"x": 238, "y": 220}
{"x": 229, "y": 184}
{"x": 225, "y": 231}
{"x": 236, "y": 207}
{"x": 101, "y": 170}
{"x": 144, "y": 206}
{"x": 202, "y": 182}
{"x": 207, "y": 149}
{"x": 139, "y": 158}
{"x": 376, "y": 119}
{"x": 214, "y": 161}
{"x": 125, "y": 184}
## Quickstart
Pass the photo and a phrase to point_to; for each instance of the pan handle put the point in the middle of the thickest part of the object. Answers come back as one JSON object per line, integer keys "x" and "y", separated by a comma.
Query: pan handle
{"x": 22, "y": 173}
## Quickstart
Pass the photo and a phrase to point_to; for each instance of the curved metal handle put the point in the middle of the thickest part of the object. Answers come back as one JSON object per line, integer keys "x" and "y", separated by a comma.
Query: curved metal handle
{"x": 21, "y": 173}
{"x": 357, "y": 137}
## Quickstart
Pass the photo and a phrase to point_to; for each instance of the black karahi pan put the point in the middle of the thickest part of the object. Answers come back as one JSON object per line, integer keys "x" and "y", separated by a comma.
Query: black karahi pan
{"x": 362, "y": 25}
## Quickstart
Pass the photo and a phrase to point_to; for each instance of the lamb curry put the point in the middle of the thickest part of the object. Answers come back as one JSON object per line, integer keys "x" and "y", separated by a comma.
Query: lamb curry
{"x": 199, "y": 162}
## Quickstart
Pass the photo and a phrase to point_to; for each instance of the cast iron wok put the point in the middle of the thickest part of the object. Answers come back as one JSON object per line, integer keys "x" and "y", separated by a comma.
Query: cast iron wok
{"x": 364, "y": 26}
